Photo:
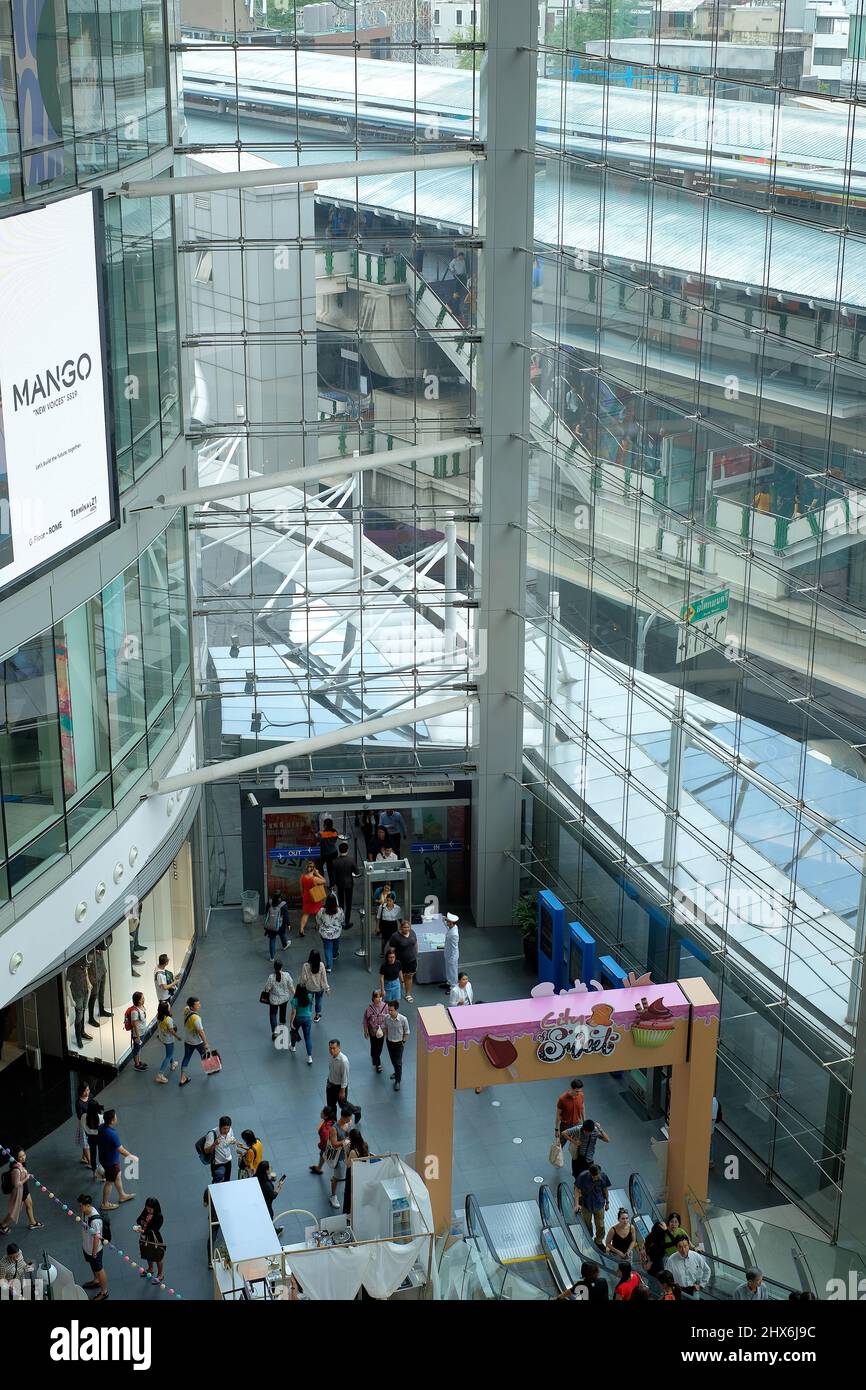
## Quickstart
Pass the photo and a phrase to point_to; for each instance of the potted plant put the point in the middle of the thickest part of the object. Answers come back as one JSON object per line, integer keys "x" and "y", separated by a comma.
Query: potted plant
{"x": 526, "y": 918}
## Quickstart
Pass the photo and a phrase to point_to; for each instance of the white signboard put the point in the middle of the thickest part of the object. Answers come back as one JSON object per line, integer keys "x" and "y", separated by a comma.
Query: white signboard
{"x": 57, "y": 479}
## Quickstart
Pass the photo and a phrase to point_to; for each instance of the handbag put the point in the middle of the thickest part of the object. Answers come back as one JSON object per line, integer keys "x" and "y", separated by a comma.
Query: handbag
{"x": 294, "y": 1035}
{"x": 265, "y": 997}
{"x": 555, "y": 1154}
{"x": 318, "y": 893}
{"x": 210, "y": 1063}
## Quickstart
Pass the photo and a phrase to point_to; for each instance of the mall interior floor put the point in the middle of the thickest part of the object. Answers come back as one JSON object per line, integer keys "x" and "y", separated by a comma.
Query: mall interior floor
{"x": 498, "y": 1149}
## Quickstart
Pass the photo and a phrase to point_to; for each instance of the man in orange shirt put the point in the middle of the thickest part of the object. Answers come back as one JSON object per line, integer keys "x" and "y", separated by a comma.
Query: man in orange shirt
{"x": 569, "y": 1109}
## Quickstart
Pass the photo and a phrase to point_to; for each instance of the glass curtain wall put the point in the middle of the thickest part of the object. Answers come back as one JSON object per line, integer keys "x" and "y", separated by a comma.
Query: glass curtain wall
{"x": 325, "y": 323}
{"x": 695, "y": 673}
{"x": 86, "y": 705}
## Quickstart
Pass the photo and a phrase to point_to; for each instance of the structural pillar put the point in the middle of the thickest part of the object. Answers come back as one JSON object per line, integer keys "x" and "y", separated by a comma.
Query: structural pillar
{"x": 508, "y": 81}
{"x": 692, "y": 1087}
{"x": 434, "y": 1109}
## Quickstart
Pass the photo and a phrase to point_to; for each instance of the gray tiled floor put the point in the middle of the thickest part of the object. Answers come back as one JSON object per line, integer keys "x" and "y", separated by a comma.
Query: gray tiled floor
{"x": 279, "y": 1097}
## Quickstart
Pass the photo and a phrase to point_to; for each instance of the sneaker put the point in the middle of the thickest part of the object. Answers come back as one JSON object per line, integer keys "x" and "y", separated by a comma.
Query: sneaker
{"x": 378, "y": 1069}
{"x": 160, "y": 1079}
{"x": 335, "y": 1203}
{"x": 318, "y": 1018}
{"x": 396, "y": 1085}
{"x": 309, "y": 1061}
{"x": 142, "y": 1066}
{"x": 174, "y": 1066}
{"x": 292, "y": 1048}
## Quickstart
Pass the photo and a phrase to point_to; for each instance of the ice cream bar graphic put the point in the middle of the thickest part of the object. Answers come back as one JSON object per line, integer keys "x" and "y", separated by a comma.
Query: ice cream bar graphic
{"x": 501, "y": 1054}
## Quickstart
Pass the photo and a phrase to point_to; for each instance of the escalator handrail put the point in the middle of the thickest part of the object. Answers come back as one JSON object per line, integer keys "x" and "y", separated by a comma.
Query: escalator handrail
{"x": 474, "y": 1218}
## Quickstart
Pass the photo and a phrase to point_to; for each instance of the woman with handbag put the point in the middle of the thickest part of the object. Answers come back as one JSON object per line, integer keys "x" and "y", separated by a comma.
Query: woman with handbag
{"x": 151, "y": 1246}
{"x": 373, "y": 1026}
{"x": 314, "y": 977}
{"x": 276, "y": 994}
{"x": 330, "y": 922}
{"x": 313, "y": 893}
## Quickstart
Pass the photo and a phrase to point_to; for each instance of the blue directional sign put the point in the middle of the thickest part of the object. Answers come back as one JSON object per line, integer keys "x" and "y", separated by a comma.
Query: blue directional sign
{"x": 440, "y": 847}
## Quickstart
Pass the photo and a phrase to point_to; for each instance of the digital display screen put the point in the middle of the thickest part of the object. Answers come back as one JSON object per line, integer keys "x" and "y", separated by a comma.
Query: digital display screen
{"x": 57, "y": 479}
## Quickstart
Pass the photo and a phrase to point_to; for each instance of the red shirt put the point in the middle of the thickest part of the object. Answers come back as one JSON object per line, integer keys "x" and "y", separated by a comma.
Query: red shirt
{"x": 570, "y": 1106}
{"x": 625, "y": 1290}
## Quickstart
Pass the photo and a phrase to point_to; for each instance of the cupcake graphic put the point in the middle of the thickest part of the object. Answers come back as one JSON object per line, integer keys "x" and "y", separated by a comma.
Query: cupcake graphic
{"x": 654, "y": 1024}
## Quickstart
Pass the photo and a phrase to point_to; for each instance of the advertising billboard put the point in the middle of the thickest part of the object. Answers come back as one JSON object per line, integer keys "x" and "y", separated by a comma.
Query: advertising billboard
{"x": 57, "y": 478}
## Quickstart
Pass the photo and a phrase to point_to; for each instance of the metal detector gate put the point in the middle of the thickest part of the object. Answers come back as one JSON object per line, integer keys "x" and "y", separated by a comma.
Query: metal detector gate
{"x": 398, "y": 873}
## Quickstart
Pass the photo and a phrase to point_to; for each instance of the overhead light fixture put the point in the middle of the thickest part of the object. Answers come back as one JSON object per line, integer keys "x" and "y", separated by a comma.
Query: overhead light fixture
{"x": 251, "y": 800}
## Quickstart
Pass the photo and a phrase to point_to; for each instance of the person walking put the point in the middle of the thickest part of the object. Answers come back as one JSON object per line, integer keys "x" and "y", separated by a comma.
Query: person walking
{"x": 452, "y": 951}
{"x": 276, "y": 925}
{"x": 395, "y": 828}
{"x": 462, "y": 991}
{"x": 373, "y": 1026}
{"x": 92, "y": 1121}
{"x": 313, "y": 894}
{"x": 396, "y": 1034}
{"x": 382, "y": 846}
{"x": 405, "y": 943}
{"x": 369, "y": 828}
{"x": 591, "y": 1200}
{"x": 135, "y": 1022}
{"x": 166, "y": 1031}
{"x": 328, "y": 1118}
{"x": 302, "y": 1021}
{"x": 337, "y": 1085}
{"x": 690, "y": 1270}
{"x": 329, "y": 923}
{"x": 194, "y": 1036}
{"x": 110, "y": 1152}
{"x": 344, "y": 872}
{"x": 163, "y": 980}
{"x": 271, "y": 1189}
{"x": 18, "y": 1187}
{"x": 328, "y": 851}
{"x": 92, "y": 1227}
{"x": 82, "y": 1100}
{"x": 218, "y": 1146}
{"x": 388, "y": 916}
{"x": 569, "y": 1110}
{"x": 355, "y": 1149}
{"x": 582, "y": 1142}
{"x": 279, "y": 988}
{"x": 621, "y": 1239}
{"x": 390, "y": 976}
{"x": 151, "y": 1244}
{"x": 314, "y": 977}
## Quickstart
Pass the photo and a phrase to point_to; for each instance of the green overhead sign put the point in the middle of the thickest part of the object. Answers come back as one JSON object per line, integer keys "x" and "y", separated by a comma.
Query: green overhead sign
{"x": 710, "y": 606}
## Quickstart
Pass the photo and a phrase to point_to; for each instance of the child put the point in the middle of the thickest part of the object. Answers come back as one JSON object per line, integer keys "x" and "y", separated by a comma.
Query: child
{"x": 328, "y": 1117}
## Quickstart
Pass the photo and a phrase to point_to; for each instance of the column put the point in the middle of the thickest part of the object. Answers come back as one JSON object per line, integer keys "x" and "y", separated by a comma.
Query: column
{"x": 506, "y": 220}
{"x": 434, "y": 1109}
{"x": 692, "y": 1088}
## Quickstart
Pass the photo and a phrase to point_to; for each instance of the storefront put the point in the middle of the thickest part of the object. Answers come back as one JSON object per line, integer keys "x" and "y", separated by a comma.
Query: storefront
{"x": 96, "y": 989}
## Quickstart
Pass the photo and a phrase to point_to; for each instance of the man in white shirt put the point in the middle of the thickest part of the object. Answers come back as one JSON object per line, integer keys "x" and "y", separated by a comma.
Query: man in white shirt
{"x": 690, "y": 1270}
{"x": 452, "y": 950}
{"x": 218, "y": 1147}
{"x": 462, "y": 991}
{"x": 163, "y": 978}
{"x": 91, "y": 1244}
{"x": 396, "y": 1033}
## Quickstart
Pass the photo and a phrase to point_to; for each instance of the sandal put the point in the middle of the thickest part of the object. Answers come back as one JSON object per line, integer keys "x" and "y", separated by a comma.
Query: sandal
{"x": 37, "y": 1226}
{"x": 185, "y": 1081}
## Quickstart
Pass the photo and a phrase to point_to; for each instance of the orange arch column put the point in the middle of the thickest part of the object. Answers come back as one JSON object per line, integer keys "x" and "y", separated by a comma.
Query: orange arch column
{"x": 435, "y": 1080}
{"x": 692, "y": 1088}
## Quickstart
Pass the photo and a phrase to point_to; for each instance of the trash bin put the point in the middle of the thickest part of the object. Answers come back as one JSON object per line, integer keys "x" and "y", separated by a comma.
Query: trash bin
{"x": 250, "y": 904}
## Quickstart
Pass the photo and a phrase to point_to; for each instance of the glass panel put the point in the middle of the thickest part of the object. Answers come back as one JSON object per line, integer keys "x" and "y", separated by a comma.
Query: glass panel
{"x": 124, "y": 662}
{"x": 30, "y": 757}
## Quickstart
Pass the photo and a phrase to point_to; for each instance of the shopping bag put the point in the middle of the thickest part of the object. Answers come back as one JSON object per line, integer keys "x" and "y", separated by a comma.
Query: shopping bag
{"x": 318, "y": 893}
{"x": 211, "y": 1063}
{"x": 555, "y": 1154}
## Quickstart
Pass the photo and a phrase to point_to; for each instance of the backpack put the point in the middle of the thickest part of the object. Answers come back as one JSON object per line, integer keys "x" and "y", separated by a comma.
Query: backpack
{"x": 127, "y": 1021}
{"x": 106, "y": 1225}
{"x": 199, "y": 1148}
{"x": 6, "y": 1183}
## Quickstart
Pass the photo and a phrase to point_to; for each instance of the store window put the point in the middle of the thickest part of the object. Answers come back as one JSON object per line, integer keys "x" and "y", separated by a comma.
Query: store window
{"x": 79, "y": 655}
{"x": 97, "y": 988}
{"x": 31, "y": 774}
